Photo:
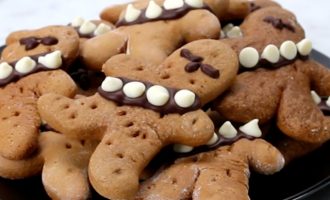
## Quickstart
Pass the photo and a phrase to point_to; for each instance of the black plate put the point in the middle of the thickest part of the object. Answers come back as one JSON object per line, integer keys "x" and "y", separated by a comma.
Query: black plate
{"x": 306, "y": 178}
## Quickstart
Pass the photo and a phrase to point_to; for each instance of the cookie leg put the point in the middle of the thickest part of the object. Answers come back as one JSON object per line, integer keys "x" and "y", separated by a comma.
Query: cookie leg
{"x": 298, "y": 115}
{"x": 176, "y": 182}
{"x": 19, "y": 122}
{"x": 118, "y": 161}
{"x": 64, "y": 174}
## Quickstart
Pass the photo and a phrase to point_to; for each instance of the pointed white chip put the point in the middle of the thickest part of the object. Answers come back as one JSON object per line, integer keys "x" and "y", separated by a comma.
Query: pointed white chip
{"x": 132, "y": 13}
{"x": 213, "y": 140}
{"x": 328, "y": 102}
{"x": 173, "y": 4}
{"x": 25, "y": 65}
{"x": 227, "y": 28}
{"x": 251, "y": 128}
{"x": 305, "y": 47}
{"x": 288, "y": 50}
{"x": 195, "y": 3}
{"x": 227, "y": 130}
{"x": 235, "y": 32}
{"x": 180, "y": 148}
{"x": 112, "y": 84}
{"x": 101, "y": 29}
{"x": 5, "y": 70}
{"x": 316, "y": 98}
{"x": 78, "y": 21}
{"x": 87, "y": 27}
{"x": 52, "y": 60}
{"x": 271, "y": 54}
{"x": 184, "y": 98}
{"x": 158, "y": 95}
{"x": 134, "y": 89}
{"x": 249, "y": 57}
{"x": 153, "y": 10}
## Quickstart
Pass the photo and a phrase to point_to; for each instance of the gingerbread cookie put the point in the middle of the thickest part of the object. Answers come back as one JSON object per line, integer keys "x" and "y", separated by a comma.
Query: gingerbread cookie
{"x": 135, "y": 119}
{"x": 151, "y": 39}
{"x": 30, "y": 67}
{"x": 219, "y": 174}
{"x": 283, "y": 93}
{"x": 61, "y": 161}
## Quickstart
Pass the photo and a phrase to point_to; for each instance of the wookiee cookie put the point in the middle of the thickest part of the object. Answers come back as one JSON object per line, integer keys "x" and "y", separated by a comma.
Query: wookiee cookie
{"x": 266, "y": 26}
{"x": 30, "y": 67}
{"x": 63, "y": 163}
{"x": 136, "y": 118}
{"x": 285, "y": 94}
{"x": 151, "y": 38}
{"x": 219, "y": 174}
{"x": 223, "y": 9}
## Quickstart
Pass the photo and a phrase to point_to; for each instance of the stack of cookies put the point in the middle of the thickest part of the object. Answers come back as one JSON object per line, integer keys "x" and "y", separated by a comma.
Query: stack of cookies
{"x": 161, "y": 99}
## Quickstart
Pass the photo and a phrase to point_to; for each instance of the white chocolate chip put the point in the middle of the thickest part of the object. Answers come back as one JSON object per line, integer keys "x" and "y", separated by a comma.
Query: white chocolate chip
{"x": 184, "y": 98}
{"x": 328, "y": 102}
{"x": 288, "y": 50}
{"x": 180, "y": 148}
{"x": 271, "y": 54}
{"x": 195, "y": 3}
{"x": 52, "y": 60}
{"x": 213, "y": 140}
{"x": 153, "y": 10}
{"x": 222, "y": 34}
{"x": 112, "y": 84}
{"x": 5, "y": 70}
{"x": 132, "y": 13}
{"x": 173, "y": 4}
{"x": 235, "y": 32}
{"x": 305, "y": 47}
{"x": 227, "y": 130}
{"x": 251, "y": 128}
{"x": 134, "y": 89}
{"x": 101, "y": 29}
{"x": 25, "y": 65}
{"x": 249, "y": 57}
{"x": 158, "y": 95}
{"x": 316, "y": 98}
{"x": 78, "y": 21}
{"x": 227, "y": 28}
{"x": 87, "y": 27}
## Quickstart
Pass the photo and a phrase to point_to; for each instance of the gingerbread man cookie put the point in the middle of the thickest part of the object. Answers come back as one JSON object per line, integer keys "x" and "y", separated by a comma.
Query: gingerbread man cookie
{"x": 135, "y": 119}
{"x": 61, "y": 161}
{"x": 219, "y": 174}
{"x": 151, "y": 38}
{"x": 30, "y": 67}
{"x": 285, "y": 93}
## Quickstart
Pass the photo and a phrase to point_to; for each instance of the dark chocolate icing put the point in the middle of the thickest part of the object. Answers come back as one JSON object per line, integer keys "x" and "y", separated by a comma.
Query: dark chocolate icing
{"x": 166, "y": 15}
{"x": 15, "y": 75}
{"x": 279, "y": 23}
{"x": 196, "y": 63}
{"x": 263, "y": 63}
{"x": 33, "y": 42}
{"x": 324, "y": 107}
{"x": 254, "y": 7}
{"x": 170, "y": 107}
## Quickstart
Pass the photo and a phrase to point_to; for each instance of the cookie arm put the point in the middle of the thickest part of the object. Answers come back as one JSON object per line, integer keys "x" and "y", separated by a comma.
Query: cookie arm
{"x": 81, "y": 118}
{"x": 261, "y": 155}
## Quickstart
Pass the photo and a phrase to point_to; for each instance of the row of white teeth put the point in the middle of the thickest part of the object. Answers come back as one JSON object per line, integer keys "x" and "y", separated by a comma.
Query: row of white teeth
{"x": 228, "y": 131}
{"x": 317, "y": 99}
{"x": 26, "y": 64}
{"x": 88, "y": 27}
{"x": 249, "y": 56}
{"x": 231, "y": 31}
{"x": 156, "y": 95}
{"x": 154, "y": 10}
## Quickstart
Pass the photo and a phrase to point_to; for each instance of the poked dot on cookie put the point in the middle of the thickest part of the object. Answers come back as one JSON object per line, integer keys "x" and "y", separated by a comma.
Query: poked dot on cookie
{"x": 120, "y": 155}
{"x": 174, "y": 181}
{"x": 68, "y": 146}
{"x": 117, "y": 171}
{"x": 121, "y": 113}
